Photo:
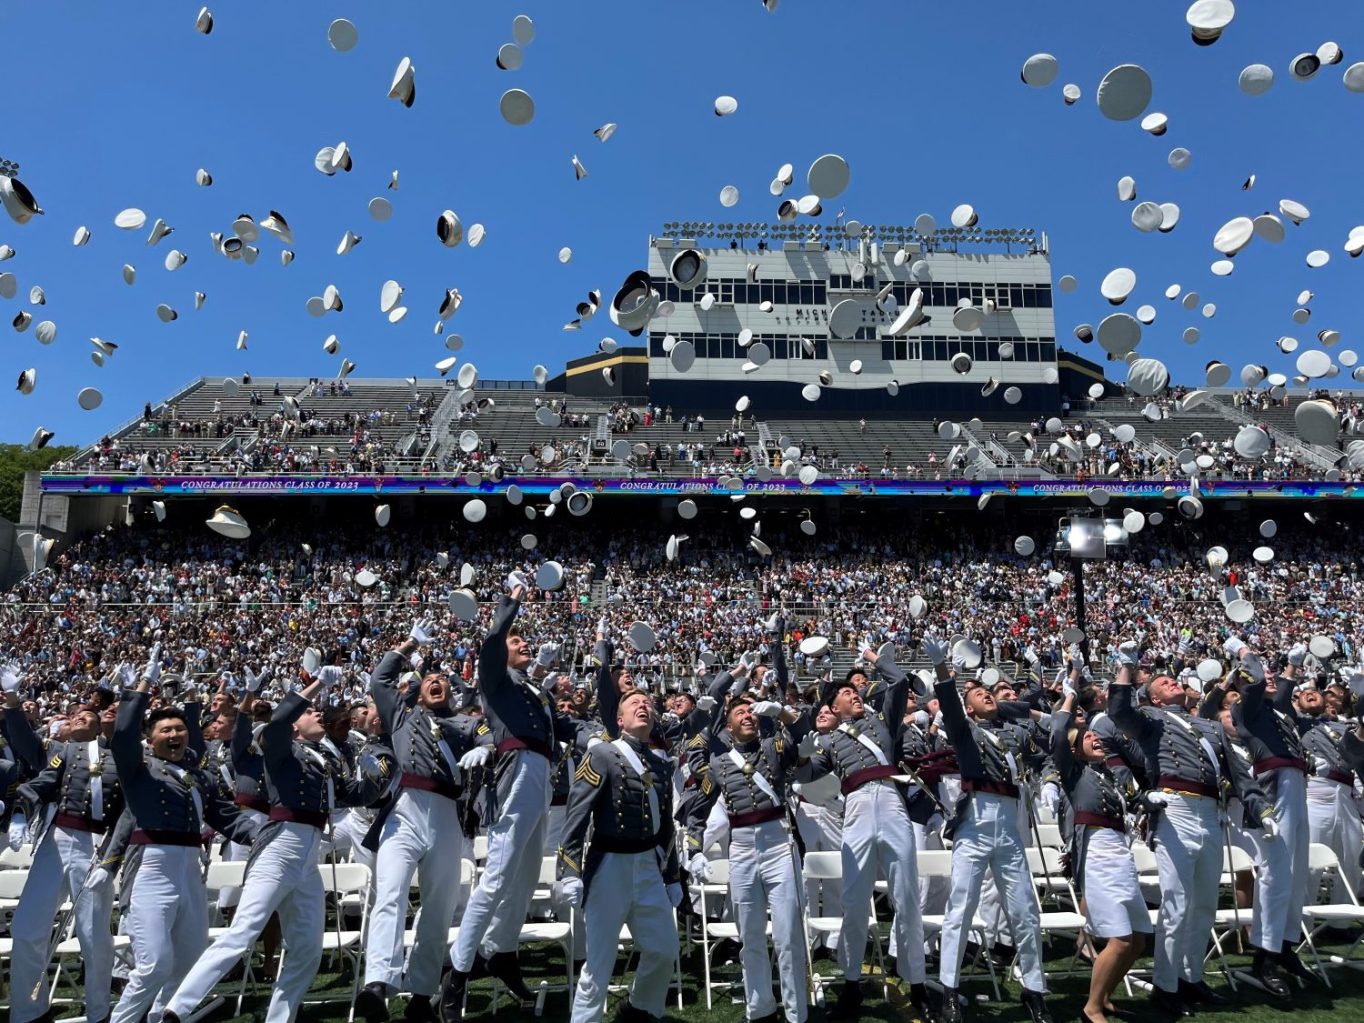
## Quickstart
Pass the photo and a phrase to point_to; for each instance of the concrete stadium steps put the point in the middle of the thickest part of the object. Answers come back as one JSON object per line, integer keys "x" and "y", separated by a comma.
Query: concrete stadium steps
{"x": 511, "y": 421}
{"x": 1207, "y": 419}
{"x": 909, "y": 442}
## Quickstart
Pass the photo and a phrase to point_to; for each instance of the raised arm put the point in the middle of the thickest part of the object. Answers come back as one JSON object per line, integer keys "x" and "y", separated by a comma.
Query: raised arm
{"x": 277, "y": 737}
{"x": 608, "y": 694}
{"x": 242, "y": 734}
{"x": 126, "y": 743}
{"x": 1122, "y": 700}
{"x": 383, "y": 686}
{"x": 1061, "y": 756}
{"x": 492, "y": 655}
{"x": 27, "y": 746}
{"x": 897, "y": 693}
{"x": 954, "y": 721}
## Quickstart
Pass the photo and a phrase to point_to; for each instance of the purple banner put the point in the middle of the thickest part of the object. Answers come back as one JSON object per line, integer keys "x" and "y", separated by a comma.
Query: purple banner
{"x": 225, "y": 486}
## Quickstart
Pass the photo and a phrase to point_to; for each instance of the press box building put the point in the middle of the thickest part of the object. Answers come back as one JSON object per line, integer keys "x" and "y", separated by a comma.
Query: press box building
{"x": 808, "y": 271}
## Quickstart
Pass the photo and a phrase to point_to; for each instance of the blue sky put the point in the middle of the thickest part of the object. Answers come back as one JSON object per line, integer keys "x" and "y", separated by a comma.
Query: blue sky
{"x": 117, "y": 105}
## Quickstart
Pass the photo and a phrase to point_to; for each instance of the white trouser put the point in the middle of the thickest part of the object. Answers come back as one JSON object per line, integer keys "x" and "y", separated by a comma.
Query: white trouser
{"x": 497, "y": 908}
{"x": 627, "y": 888}
{"x": 763, "y": 877}
{"x": 283, "y": 879}
{"x": 167, "y": 922}
{"x": 60, "y": 865}
{"x": 1281, "y": 890}
{"x": 992, "y": 912}
{"x": 1189, "y": 854}
{"x": 422, "y": 834}
{"x": 1334, "y": 822}
{"x": 876, "y": 833}
{"x": 987, "y": 838}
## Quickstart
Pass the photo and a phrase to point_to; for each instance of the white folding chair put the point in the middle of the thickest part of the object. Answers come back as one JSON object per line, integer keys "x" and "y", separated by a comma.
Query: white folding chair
{"x": 1228, "y": 921}
{"x": 1321, "y": 858}
{"x": 559, "y": 932}
{"x": 714, "y": 930}
{"x": 228, "y": 874}
{"x": 1044, "y": 864}
{"x": 13, "y": 859}
{"x": 1049, "y": 835}
{"x": 11, "y": 887}
{"x": 340, "y": 880}
{"x": 826, "y": 867}
{"x": 937, "y": 864}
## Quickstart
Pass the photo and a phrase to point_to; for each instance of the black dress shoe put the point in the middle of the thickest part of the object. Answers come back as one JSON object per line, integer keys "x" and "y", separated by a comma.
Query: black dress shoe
{"x": 630, "y": 1013}
{"x": 169, "y": 1017}
{"x": 452, "y": 990}
{"x": 918, "y": 1003}
{"x": 420, "y": 1010}
{"x": 1036, "y": 1006}
{"x": 372, "y": 1002}
{"x": 1291, "y": 964}
{"x": 849, "y": 1004}
{"x": 1266, "y": 970}
{"x": 505, "y": 967}
{"x": 772, "y": 1017}
{"x": 1169, "y": 1003}
{"x": 1200, "y": 994}
{"x": 949, "y": 1010}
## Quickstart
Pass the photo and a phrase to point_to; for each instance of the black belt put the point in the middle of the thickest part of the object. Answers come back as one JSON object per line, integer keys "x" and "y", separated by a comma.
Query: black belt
{"x": 188, "y": 839}
{"x": 755, "y": 817}
{"x": 991, "y": 788}
{"x": 421, "y": 781}
{"x": 75, "y": 822}
{"x": 316, "y": 818}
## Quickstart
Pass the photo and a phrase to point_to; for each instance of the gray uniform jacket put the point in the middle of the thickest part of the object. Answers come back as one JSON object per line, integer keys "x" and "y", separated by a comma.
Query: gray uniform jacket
{"x": 844, "y": 752}
{"x": 611, "y": 798}
{"x": 1321, "y": 745}
{"x": 1097, "y": 795}
{"x": 1269, "y": 728}
{"x": 66, "y": 783}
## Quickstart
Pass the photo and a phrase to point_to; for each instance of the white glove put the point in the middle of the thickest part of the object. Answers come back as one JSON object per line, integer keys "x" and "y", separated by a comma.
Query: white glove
{"x": 1270, "y": 826}
{"x": 937, "y": 721}
{"x": 767, "y": 708}
{"x": 568, "y": 892}
{"x": 806, "y": 747}
{"x": 958, "y": 664}
{"x": 152, "y": 671}
{"x": 934, "y": 649}
{"x": 126, "y": 675}
{"x": 1233, "y": 646}
{"x": 98, "y": 877}
{"x": 547, "y": 655}
{"x": 1297, "y": 655}
{"x": 1051, "y": 798}
{"x": 476, "y": 757}
{"x": 1077, "y": 654}
{"x": 329, "y": 676}
{"x": 18, "y": 827}
{"x": 1030, "y": 655}
{"x": 1067, "y": 687}
{"x": 421, "y": 632}
{"x": 1355, "y": 680}
{"x": 705, "y": 703}
{"x": 1129, "y": 653}
{"x": 921, "y": 719}
{"x": 9, "y": 677}
{"x": 1253, "y": 665}
{"x": 254, "y": 682}
{"x": 675, "y": 894}
{"x": 699, "y": 868}
{"x": 1157, "y": 799}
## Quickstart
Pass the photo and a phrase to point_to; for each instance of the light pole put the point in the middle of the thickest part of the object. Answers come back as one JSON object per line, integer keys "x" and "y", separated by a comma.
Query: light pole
{"x": 1082, "y": 537}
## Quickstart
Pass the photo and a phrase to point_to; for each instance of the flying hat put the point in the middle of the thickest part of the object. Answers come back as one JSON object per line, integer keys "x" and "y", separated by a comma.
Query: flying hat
{"x": 1124, "y": 92}
{"x": 1024, "y": 546}
{"x": 382, "y": 514}
{"x": 1208, "y": 19}
{"x": 1117, "y": 285}
{"x": 828, "y": 176}
{"x": 464, "y": 605}
{"x": 404, "y": 87}
{"x": 229, "y": 523}
{"x": 1039, "y": 70}
{"x": 517, "y": 107}
{"x": 641, "y": 637}
{"x": 18, "y": 202}
{"x": 89, "y": 398}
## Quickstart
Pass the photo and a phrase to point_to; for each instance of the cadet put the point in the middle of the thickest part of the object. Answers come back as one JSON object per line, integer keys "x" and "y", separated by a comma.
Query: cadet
{"x": 1101, "y": 859}
{"x": 863, "y": 750}
{"x": 79, "y": 792}
{"x": 1331, "y": 809}
{"x": 420, "y": 830}
{"x": 1270, "y": 731}
{"x": 753, "y": 779}
{"x": 1187, "y": 759}
{"x": 985, "y": 835}
{"x": 169, "y": 801}
{"x": 526, "y": 729}
{"x": 305, "y": 781}
{"x": 623, "y": 792}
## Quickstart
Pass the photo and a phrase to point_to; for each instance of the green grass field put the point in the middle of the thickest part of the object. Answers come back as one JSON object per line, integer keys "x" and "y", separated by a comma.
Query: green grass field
{"x": 1315, "y": 1002}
